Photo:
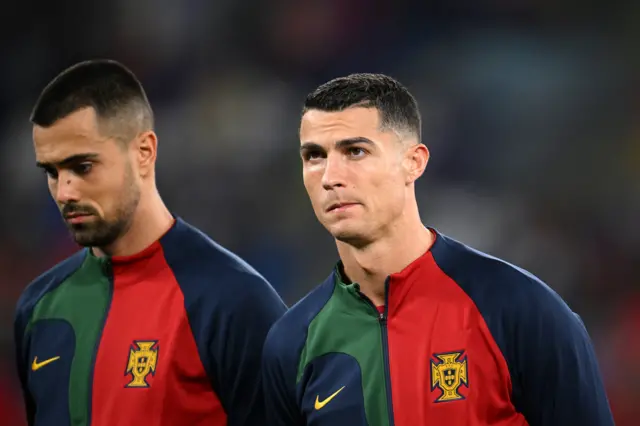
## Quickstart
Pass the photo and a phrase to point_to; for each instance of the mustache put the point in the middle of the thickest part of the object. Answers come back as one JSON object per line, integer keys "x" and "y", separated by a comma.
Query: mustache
{"x": 73, "y": 208}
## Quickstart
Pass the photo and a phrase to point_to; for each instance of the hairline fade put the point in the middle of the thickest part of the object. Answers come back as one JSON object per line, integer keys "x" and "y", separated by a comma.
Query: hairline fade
{"x": 106, "y": 86}
{"x": 398, "y": 109}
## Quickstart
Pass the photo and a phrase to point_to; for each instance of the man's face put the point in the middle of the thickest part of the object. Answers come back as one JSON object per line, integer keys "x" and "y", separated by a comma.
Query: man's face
{"x": 353, "y": 172}
{"x": 90, "y": 177}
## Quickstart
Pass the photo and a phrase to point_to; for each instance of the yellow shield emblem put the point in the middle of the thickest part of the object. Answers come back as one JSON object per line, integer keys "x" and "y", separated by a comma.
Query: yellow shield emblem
{"x": 143, "y": 357}
{"x": 448, "y": 373}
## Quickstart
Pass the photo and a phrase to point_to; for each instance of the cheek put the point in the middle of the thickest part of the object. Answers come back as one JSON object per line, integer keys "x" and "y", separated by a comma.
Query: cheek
{"x": 51, "y": 184}
{"x": 388, "y": 189}
{"x": 111, "y": 195}
{"x": 379, "y": 178}
{"x": 312, "y": 184}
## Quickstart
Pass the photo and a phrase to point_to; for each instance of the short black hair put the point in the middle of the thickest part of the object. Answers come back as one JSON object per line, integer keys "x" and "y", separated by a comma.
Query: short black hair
{"x": 106, "y": 85}
{"x": 397, "y": 107}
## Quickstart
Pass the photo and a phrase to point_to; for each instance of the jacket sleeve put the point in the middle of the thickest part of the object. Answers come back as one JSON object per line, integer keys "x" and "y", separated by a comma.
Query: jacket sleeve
{"x": 235, "y": 349}
{"x": 22, "y": 363}
{"x": 558, "y": 380}
{"x": 279, "y": 370}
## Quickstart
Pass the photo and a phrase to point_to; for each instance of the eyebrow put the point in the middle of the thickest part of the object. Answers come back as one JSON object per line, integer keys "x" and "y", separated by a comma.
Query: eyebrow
{"x": 77, "y": 158}
{"x": 343, "y": 143}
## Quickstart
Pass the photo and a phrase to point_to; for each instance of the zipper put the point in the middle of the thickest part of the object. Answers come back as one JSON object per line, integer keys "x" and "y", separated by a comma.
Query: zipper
{"x": 385, "y": 349}
{"x": 382, "y": 320}
{"x": 107, "y": 268}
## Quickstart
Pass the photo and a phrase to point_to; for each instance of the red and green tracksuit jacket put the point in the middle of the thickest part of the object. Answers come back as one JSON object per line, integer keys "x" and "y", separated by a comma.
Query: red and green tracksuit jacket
{"x": 170, "y": 336}
{"x": 463, "y": 339}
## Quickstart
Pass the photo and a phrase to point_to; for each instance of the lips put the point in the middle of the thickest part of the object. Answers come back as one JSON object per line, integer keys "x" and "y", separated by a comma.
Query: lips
{"x": 75, "y": 214}
{"x": 340, "y": 206}
{"x": 76, "y": 217}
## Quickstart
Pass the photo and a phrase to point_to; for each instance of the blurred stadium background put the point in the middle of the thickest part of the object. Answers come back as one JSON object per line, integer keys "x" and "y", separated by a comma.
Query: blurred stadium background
{"x": 531, "y": 114}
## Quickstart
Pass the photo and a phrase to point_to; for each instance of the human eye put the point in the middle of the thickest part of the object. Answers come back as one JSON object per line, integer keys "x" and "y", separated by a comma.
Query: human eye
{"x": 356, "y": 152}
{"x": 50, "y": 172}
{"x": 312, "y": 155}
{"x": 82, "y": 169}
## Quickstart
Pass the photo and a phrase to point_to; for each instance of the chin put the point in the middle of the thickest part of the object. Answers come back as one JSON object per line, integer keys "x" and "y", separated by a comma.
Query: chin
{"x": 85, "y": 240}
{"x": 94, "y": 236}
{"x": 349, "y": 234}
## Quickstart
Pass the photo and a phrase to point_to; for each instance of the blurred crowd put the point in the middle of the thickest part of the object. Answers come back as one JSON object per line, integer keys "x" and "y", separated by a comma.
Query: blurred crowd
{"x": 530, "y": 112}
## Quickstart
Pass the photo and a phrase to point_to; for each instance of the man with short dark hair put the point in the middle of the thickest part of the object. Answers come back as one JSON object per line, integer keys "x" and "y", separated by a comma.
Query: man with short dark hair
{"x": 412, "y": 327}
{"x": 152, "y": 322}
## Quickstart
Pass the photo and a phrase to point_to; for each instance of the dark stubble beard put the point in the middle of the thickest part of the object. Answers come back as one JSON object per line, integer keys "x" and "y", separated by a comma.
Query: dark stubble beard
{"x": 101, "y": 232}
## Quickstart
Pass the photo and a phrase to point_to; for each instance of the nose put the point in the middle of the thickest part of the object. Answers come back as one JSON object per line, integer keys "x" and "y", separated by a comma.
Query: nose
{"x": 65, "y": 190}
{"x": 334, "y": 173}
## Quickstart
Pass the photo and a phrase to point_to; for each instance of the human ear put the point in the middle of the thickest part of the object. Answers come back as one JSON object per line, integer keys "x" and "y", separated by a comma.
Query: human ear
{"x": 416, "y": 159}
{"x": 145, "y": 150}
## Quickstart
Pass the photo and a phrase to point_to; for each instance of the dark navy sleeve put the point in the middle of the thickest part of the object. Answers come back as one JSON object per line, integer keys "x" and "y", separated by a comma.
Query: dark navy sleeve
{"x": 41, "y": 285}
{"x": 22, "y": 363}
{"x": 236, "y": 349}
{"x": 279, "y": 371}
{"x": 558, "y": 380}
{"x": 231, "y": 308}
{"x": 281, "y": 357}
{"x": 555, "y": 377}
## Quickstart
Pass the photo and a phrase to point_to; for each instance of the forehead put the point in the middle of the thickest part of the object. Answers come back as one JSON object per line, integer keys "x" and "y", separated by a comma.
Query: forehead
{"x": 325, "y": 127}
{"x": 71, "y": 135}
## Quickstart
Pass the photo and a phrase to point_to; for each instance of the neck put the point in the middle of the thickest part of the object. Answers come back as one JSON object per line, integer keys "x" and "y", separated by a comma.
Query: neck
{"x": 369, "y": 266}
{"x": 150, "y": 222}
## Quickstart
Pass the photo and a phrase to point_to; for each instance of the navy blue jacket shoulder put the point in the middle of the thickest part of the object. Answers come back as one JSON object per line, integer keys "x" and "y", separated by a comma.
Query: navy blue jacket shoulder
{"x": 554, "y": 371}
{"x": 230, "y": 318}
